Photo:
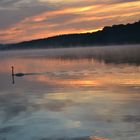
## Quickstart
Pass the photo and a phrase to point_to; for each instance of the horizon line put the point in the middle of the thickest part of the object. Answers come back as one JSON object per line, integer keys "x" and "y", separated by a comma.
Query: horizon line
{"x": 90, "y": 31}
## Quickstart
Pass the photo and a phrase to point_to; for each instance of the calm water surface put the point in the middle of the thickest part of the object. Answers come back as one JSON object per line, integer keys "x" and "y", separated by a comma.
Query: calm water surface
{"x": 62, "y": 99}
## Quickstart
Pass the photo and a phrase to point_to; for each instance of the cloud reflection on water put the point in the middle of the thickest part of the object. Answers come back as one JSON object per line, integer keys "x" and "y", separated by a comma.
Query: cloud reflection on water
{"x": 75, "y": 73}
{"x": 69, "y": 99}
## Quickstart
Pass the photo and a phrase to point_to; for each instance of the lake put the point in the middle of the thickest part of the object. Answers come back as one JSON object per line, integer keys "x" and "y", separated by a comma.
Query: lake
{"x": 66, "y": 94}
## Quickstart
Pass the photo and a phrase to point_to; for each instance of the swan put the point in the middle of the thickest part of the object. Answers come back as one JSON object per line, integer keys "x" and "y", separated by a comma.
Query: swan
{"x": 16, "y": 74}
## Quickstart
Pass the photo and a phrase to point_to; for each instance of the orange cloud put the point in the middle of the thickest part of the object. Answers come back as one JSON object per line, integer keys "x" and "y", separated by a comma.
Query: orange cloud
{"x": 71, "y": 20}
{"x": 97, "y": 138}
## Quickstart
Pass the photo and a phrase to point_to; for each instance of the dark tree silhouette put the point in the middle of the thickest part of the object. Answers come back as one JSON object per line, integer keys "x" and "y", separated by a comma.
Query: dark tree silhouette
{"x": 114, "y": 35}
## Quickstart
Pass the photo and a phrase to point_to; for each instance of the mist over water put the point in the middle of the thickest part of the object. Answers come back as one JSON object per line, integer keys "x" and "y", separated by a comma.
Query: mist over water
{"x": 71, "y": 94}
{"x": 113, "y": 54}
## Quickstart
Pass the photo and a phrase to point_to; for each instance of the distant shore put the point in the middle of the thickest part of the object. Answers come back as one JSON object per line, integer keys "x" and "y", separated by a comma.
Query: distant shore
{"x": 115, "y": 35}
{"x": 112, "y": 54}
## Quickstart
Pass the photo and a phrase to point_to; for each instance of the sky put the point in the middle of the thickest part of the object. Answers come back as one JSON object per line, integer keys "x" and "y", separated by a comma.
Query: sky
{"x": 22, "y": 20}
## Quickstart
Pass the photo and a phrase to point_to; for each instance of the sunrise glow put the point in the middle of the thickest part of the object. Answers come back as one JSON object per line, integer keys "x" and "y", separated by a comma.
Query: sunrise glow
{"x": 45, "y": 18}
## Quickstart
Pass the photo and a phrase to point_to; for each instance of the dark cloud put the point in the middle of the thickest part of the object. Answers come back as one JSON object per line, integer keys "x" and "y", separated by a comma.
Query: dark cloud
{"x": 78, "y": 138}
{"x": 132, "y": 118}
{"x": 6, "y": 3}
{"x": 11, "y": 17}
{"x": 12, "y": 12}
{"x": 8, "y": 129}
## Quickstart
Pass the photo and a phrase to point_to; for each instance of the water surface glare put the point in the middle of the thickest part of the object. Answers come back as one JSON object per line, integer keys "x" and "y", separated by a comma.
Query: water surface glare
{"x": 68, "y": 99}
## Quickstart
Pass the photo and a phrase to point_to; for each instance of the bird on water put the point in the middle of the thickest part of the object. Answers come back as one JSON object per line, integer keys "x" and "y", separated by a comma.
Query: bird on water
{"x": 16, "y": 74}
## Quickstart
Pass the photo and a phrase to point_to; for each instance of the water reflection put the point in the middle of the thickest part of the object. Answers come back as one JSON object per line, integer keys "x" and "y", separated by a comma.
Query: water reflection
{"x": 69, "y": 99}
{"x": 81, "y": 72}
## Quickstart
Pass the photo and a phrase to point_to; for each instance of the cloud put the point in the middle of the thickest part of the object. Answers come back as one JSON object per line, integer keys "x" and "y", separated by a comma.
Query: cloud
{"x": 132, "y": 118}
{"x": 14, "y": 11}
{"x": 43, "y": 18}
